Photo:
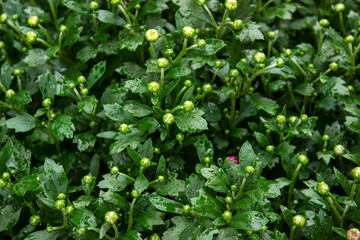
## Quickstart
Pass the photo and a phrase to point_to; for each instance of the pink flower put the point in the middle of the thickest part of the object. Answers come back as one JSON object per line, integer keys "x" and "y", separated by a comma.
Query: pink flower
{"x": 353, "y": 234}
{"x": 233, "y": 158}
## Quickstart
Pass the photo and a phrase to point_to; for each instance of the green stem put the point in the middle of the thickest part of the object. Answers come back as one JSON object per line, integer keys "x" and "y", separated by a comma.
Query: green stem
{"x": 124, "y": 13}
{"x": 266, "y": 4}
{"x": 162, "y": 77}
{"x": 300, "y": 68}
{"x": 351, "y": 198}
{"x": 211, "y": 17}
{"x": 47, "y": 35}
{"x": 3, "y": 88}
{"x": 356, "y": 51}
{"x": 214, "y": 76}
{"x": 116, "y": 230}
{"x": 6, "y": 105}
{"x": 65, "y": 222}
{"x": 342, "y": 23}
{"x": 222, "y": 26}
{"x": 242, "y": 186}
{"x": 292, "y": 233}
{"x": 232, "y": 111}
{"x": 292, "y": 184}
{"x": 269, "y": 48}
{"x": 127, "y": 176}
{"x": 98, "y": 231}
{"x": 19, "y": 83}
{"x": 96, "y": 27}
{"x": 60, "y": 40}
{"x": 261, "y": 71}
{"x": 77, "y": 94}
{"x": 53, "y": 12}
{"x": 176, "y": 108}
{"x": 151, "y": 50}
{"x": 289, "y": 85}
{"x": 44, "y": 43}
{"x": 259, "y": 5}
{"x": 181, "y": 54}
{"x": 20, "y": 33}
{"x": 178, "y": 95}
{"x": 131, "y": 214}
{"x": 318, "y": 78}
{"x": 321, "y": 39}
{"x": 333, "y": 207}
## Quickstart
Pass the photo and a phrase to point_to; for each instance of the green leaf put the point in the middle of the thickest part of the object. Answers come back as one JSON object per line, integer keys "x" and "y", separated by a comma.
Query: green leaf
{"x": 132, "y": 139}
{"x": 63, "y": 127}
{"x": 204, "y": 205}
{"x": 87, "y": 53}
{"x": 21, "y": 98}
{"x": 146, "y": 149}
{"x": 43, "y": 235}
{"x": 96, "y": 72}
{"x": 54, "y": 179}
{"x": 204, "y": 148}
{"x": 110, "y": 18}
{"x": 250, "y": 31}
{"x": 147, "y": 123}
{"x": 166, "y": 204}
{"x": 115, "y": 198}
{"x": 137, "y": 109}
{"x": 171, "y": 186}
{"x": 9, "y": 216}
{"x": 177, "y": 73}
{"x": 82, "y": 218}
{"x": 353, "y": 124}
{"x": 84, "y": 141}
{"x": 150, "y": 218}
{"x": 27, "y": 183}
{"x": 76, "y": 7}
{"x": 247, "y": 156}
{"x": 36, "y": 57}
{"x": 153, "y": 6}
{"x": 265, "y": 104}
{"x": 183, "y": 229}
{"x": 212, "y": 46}
{"x": 114, "y": 183}
{"x": 141, "y": 183}
{"x": 244, "y": 67}
{"x": 304, "y": 89}
{"x": 136, "y": 86}
{"x": 6, "y": 75}
{"x": 23, "y": 122}
{"x": 88, "y": 104}
{"x": 5, "y": 154}
{"x": 283, "y": 11}
{"x": 168, "y": 88}
{"x": 190, "y": 121}
{"x": 47, "y": 83}
{"x": 344, "y": 182}
{"x": 130, "y": 41}
{"x": 216, "y": 179}
{"x": 117, "y": 113}
{"x": 249, "y": 221}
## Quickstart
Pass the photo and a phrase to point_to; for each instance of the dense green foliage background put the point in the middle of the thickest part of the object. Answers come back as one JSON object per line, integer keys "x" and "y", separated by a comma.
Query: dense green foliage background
{"x": 101, "y": 139}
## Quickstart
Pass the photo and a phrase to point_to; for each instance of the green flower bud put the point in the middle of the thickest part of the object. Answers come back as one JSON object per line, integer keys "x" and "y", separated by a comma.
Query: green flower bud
{"x": 339, "y": 150}
{"x": 238, "y": 24}
{"x": 219, "y": 64}
{"x": 115, "y": 2}
{"x": 333, "y": 66}
{"x": 168, "y": 118}
{"x": 128, "y": 27}
{"x": 271, "y": 35}
{"x": 145, "y": 162}
{"x": 124, "y": 128}
{"x": 187, "y": 83}
{"x": 71, "y": 85}
{"x": 69, "y": 209}
{"x": 3, "y": 18}
{"x": 137, "y": 7}
{"x": 114, "y": 170}
{"x": 280, "y": 62}
{"x": 10, "y": 93}
{"x": 3, "y": 183}
{"x": 280, "y": 119}
{"x": 33, "y": 21}
{"x": 186, "y": 209}
{"x": 49, "y": 229}
{"x": 63, "y": 28}
{"x": 270, "y": 148}
{"x": 31, "y": 36}
{"x": 349, "y": 39}
{"x": 201, "y": 43}
{"x": 234, "y": 73}
{"x": 207, "y": 160}
{"x": 228, "y": 200}
{"x": 299, "y": 221}
{"x": 324, "y": 22}
{"x": 111, "y": 217}
{"x": 2, "y": 44}
{"x": 293, "y": 119}
{"x": 351, "y": 88}
{"x": 340, "y": 7}
{"x": 304, "y": 118}
{"x": 52, "y": 115}
{"x": 84, "y": 91}
{"x": 88, "y": 179}
{"x": 17, "y": 72}
{"x": 355, "y": 173}
{"x": 157, "y": 150}
{"x": 94, "y": 5}
{"x": 250, "y": 170}
{"x": 323, "y": 189}
{"x": 35, "y": 220}
{"x": 207, "y": 88}
{"x": 135, "y": 194}
{"x": 179, "y": 137}
{"x": 155, "y": 236}
{"x": 325, "y": 138}
{"x": 81, "y": 231}
{"x": 152, "y": 35}
{"x": 188, "y": 32}
{"x": 303, "y": 159}
{"x": 259, "y": 57}
{"x": 188, "y": 106}
{"x": 201, "y": 2}
{"x": 153, "y": 87}
{"x": 162, "y": 62}
{"x": 233, "y": 188}
{"x": 287, "y": 52}
{"x": 161, "y": 179}
{"x": 59, "y": 204}
{"x": 169, "y": 52}
{"x": 61, "y": 196}
{"x": 46, "y": 102}
{"x": 231, "y": 5}
{"x": 227, "y": 216}
{"x": 81, "y": 79}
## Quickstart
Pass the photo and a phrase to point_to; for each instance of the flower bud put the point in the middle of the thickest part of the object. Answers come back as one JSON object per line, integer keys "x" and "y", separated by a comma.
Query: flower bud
{"x": 238, "y": 24}
{"x": 153, "y": 87}
{"x": 299, "y": 221}
{"x": 355, "y": 173}
{"x": 10, "y": 93}
{"x": 84, "y": 91}
{"x": 333, "y": 66}
{"x": 3, "y": 18}
{"x": 49, "y": 229}
{"x": 88, "y": 179}
{"x": 59, "y": 204}
{"x": 124, "y": 128}
{"x": 168, "y": 118}
{"x": 162, "y": 62}
{"x": 61, "y": 196}
{"x": 35, "y": 220}
{"x": 287, "y": 52}
{"x": 280, "y": 62}
{"x": 349, "y": 39}
{"x": 231, "y": 5}
{"x": 228, "y": 200}
{"x": 128, "y": 27}
{"x": 219, "y": 64}
{"x": 227, "y": 216}
{"x": 31, "y": 36}
{"x": 323, "y": 189}
{"x": 304, "y": 118}
{"x": 339, "y": 7}
{"x": 161, "y": 179}
{"x": 157, "y": 150}
{"x": 3, "y": 183}
{"x": 339, "y": 150}
{"x": 94, "y": 5}
{"x": 201, "y": 2}
{"x": 169, "y": 52}
{"x": 2, "y": 44}
{"x": 179, "y": 137}
{"x": 293, "y": 119}
{"x": 152, "y": 35}
{"x": 201, "y": 43}
{"x": 250, "y": 170}
{"x": 350, "y": 88}
{"x": 303, "y": 159}
{"x": 207, "y": 160}
{"x": 111, "y": 217}
{"x": 270, "y": 148}
{"x": 325, "y": 138}
{"x": 81, "y": 79}
{"x": 324, "y": 22}
{"x": 233, "y": 188}
{"x": 234, "y": 73}
{"x": 46, "y": 102}
{"x": 63, "y": 28}
{"x": 33, "y": 21}
{"x": 207, "y": 88}
{"x": 187, "y": 83}
{"x": 271, "y": 35}
{"x": 137, "y": 7}
{"x": 135, "y": 194}
{"x": 145, "y": 162}
{"x": 233, "y": 158}
{"x": 353, "y": 234}
{"x": 280, "y": 119}
{"x": 115, "y": 2}
{"x": 114, "y": 170}
{"x": 69, "y": 209}
{"x": 188, "y": 106}
{"x": 259, "y": 57}
{"x": 81, "y": 231}
{"x": 186, "y": 208}
{"x": 188, "y": 32}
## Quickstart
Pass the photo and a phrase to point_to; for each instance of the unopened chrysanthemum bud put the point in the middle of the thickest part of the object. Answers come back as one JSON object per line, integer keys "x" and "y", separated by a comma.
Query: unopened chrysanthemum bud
{"x": 201, "y": 2}
{"x": 10, "y": 93}
{"x": 228, "y": 199}
{"x": 259, "y": 57}
{"x": 188, "y": 106}
{"x": 299, "y": 221}
{"x": 111, "y": 217}
{"x": 61, "y": 196}
{"x": 333, "y": 66}
{"x": 304, "y": 117}
{"x": 250, "y": 170}
{"x": 271, "y": 35}
{"x": 324, "y": 22}
{"x": 161, "y": 178}
{"x": 323, "y": 188}
{"x": 88, "y": 179}
{"x": 145, "y": 162}
{"x": 69, "y": 209}
{"x": 152, "y": 35}
{"x": 270, "y": 149}
{"x": 84, "y": 91}
{"x": 207, "y": 88}
{"x": 186, "y": 208}
{"x": 188, "y": 32}
{"x": 168, "y": 118}
{"x": 231, "y": 5}
{"x": 325, "y": 138}
{"x": 63, "y": 28}
{"x": 238, "y": 24}
{"x": 135, "y": 194}
{"x": 219, "y": 64}
{"x": 155, "y": 236}
{"x": 31, "y": 36}
{"x": 339, "y": 150}
{"x": 234, "y": 73}
{"x": 59, "y": 204}
{"x": 355, "y": 173}
{"x": 153, "y": 87}
{"x": 280, "y": 119}
{"x": 94, "y": 5}
{"x": 115, "y": 2}
{"x": 81, "y": 79}
{"x": 303, "y": 159}
{"x": 187, "y": 83}
{"x": 339, "y": 7}
{"x": 162, "y": 62}
{"x": 81, "y": 231}
{"x": 35, "y": 220}
{"x": 349, "y": 39}
{"x": 201, "y": 43}
{"x": 33, "y": 21}
{"x": 114, "y": 170}
{"x": 46, "y": 102}
{"x": 3, "y": 18}
{"x": 287, "y": 52}
{"x": 280, "y": 62}
{"x": 169, "y": 52}
{"x": 227, "y": 216}
{"x": 124, "y": 128}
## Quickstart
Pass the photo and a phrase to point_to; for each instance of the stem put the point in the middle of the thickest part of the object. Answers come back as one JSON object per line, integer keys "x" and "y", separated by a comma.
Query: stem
{"x": 48, "y": 126}
{"x": 47, "y": 35}
{"x": 351, "y": 198}
{"x": 261, "y": 71}
{"x": 77, "y": 94}
{"x": 321, "y": 39}
{"x": 65, "y": 222}
{"x": 125, "y": 14}
{"x": 356, "y": 51}
{"x": 259, "y": 5}
{"x": 44, "y": 43}
{"x": 116, "y": 230}
{"x": 176, "y": 108}
{"x": 20, "y": 33}
{"x": 6, "y": 105}
{"x": 96, "y": 27}
{"x": 289, "y": 85}
{"x": 232, "y": 111}
{"x": 335, "y": 211}
{"x": 60, "y": 40}
{"x": 342, "y": 23}
{"x": 266, "y": 4}
{"x": 178, "y": 95}
{"x": 127, "y": 176}
{"x": 299, "y": 67}
{"x": 19, "y": 83}
{"x": 293, "y": 179}
{"x": 221, "y": 29}
{"x": 211, "y": 17}
{"x": 242, "y": 186}
{"x": 214, "y": 76}
{"x": 151, "y": 50}
{"x": 292, "y": 233}
{"x": 181, "y": 54}
{"x": 131, "y": 214}
{"x": 162, "y": 76}
{"x": 3, "y": 88}
{"x": 53, "y": 12}
{"x": 269, "y": 48}
{"x": 98, "y": 231}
